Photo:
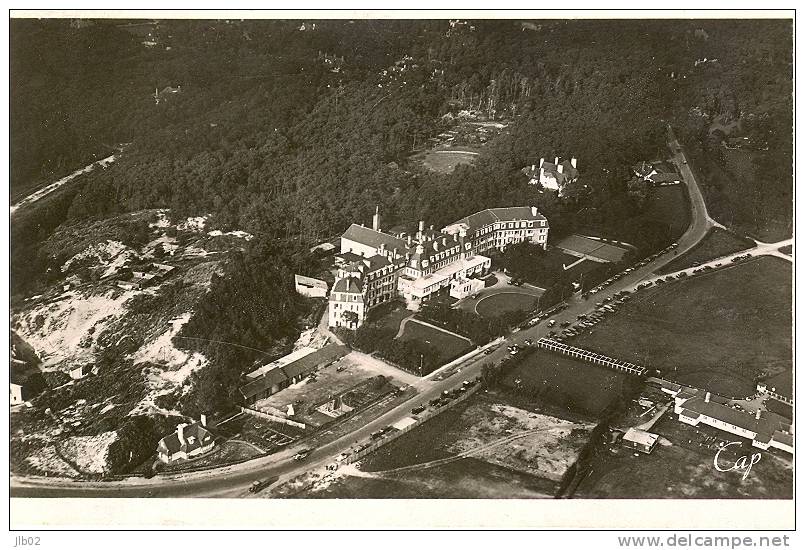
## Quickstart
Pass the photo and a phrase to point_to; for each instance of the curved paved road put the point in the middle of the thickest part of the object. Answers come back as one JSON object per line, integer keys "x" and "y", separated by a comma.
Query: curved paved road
{"x": 234, "y": 481}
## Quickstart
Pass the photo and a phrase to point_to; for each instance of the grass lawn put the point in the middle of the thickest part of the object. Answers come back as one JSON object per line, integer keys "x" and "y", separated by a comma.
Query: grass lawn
{"x": 509, "y": 300}
{"x": 717, "y": 331}
{"x": 445, "y": 161}
{"x": 569, "y": 385}
{"x": 670, "y": 205}
{"x": 391, "y": 320}
{"x": 715, "y": 244}
{"x": 449, "y": 346}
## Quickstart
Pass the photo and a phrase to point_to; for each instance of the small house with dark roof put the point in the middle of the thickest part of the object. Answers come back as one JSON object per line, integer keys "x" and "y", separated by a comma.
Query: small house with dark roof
{"x": 188, "y": 441}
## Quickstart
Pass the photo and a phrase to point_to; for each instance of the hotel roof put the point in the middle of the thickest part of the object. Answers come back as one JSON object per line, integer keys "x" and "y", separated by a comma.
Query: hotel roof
{"x": 370, "y": 237}
{"x": 493, "y": 215}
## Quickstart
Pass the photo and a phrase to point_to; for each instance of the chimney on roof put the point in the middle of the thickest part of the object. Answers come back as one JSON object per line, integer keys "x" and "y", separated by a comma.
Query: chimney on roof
{"x": 573, "y": 162}
{"x": 382, "y": 249}
{"x": 409, "y": 240}
{"x": 556, "y": 161}
{"x": 541, "y": 161}
{"x": 203, "y": 420}
{"x": 421, "y": 229}
{"x": 431, "y": 227}
{"x": 757, "y": 414}
{"x": 394, "y": 253}
{"x": 560, "y": 168}
{"x": 376, "y": 219}
{"x": 180, "y": 432}
{"x": 533, "y": 167}
{"x": 534, "y": 211}
{"x": 707, "y": 397}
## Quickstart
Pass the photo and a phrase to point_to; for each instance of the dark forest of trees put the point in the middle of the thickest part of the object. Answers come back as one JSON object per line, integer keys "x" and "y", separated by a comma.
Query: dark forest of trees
{"x": 267, "y": 139}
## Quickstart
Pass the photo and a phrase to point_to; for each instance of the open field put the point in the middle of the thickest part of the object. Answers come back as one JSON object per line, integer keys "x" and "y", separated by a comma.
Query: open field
{"x": 509, "y": 300}
{"x": 466, "y": 478}
{"x": 569, "y": 385}
{"x": 670, "y": 205}
{"x": 499, "y": 451}
{"x": 445, "y": 161}
{"x": 719, "y": 330}
{"x": 716, "y": 244}
{"x": 681, "y": 466}
{"x": 449, "y": 346}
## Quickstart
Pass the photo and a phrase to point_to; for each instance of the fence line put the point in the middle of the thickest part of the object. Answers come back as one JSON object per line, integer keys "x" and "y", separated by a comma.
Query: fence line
{"x": 590, "y": 357}
{"x": 272, "y": 418}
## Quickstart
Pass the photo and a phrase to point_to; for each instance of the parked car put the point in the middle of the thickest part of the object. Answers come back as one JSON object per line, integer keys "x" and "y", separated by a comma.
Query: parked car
{"x": 552, "y": 322}
{"x": 261, "y": 484}
{"x": 303, "y": 454}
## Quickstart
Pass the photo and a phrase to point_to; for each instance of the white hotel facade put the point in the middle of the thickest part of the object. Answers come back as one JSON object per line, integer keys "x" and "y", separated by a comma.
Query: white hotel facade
{"x": 376, "y": 266}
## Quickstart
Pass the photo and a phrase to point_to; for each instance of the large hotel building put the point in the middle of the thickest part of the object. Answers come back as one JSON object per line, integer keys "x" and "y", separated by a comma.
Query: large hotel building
{"x": 375, "y": 266}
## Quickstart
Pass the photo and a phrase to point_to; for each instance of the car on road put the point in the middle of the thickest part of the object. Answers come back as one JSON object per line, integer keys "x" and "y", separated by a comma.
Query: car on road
{"x": 417, "y": 410}
{"x": 488, "y": 351}
{"x": 552, "y": 322}
{"x": 261, "y": 484}
{"x": 303, "y": 454}
{"x": 682, "y": 275}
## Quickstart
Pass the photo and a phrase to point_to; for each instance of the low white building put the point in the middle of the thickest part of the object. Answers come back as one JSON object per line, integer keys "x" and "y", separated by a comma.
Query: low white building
{"x": 461, "y": 288}
{"x": 764, "y": 428}
{"x": 308, "y": 286}
{"x": 417, "y": 290}
{"x": 640, "y": 440}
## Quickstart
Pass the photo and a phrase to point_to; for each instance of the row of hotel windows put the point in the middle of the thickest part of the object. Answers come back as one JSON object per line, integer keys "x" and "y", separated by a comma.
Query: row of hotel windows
{"x": 347, "y": 297}
{"x": 348, "y": 307}
{"x": 509, "y": 225}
